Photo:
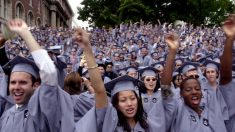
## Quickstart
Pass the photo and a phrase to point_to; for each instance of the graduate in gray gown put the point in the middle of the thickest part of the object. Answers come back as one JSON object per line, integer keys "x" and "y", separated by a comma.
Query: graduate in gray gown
{"x": 104, "y": 117}
{"x": 226, "y": 82}
{"x": 39, "y": 107}
{"x": 183, "y": 116}
{"x": 91, "y": 121}
{"x": 6, "y": 101}
{"x": 150, "y": 93}
{"x": 82, "y": 101}
{"x": 211, "y": 86}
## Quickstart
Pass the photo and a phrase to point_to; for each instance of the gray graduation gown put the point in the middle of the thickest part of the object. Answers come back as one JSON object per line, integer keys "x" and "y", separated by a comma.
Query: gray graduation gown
{"x": 153, "y": 106}
{"x": 6, "y": 101}
{"x": 106, "y": 120}
{"x": 82, "y": 104}
{"x": 184, "y": 119}
{"x": 50, "y": 109}
{"x": 228, "y": 92}
{"x": 150, "y": 100}
{"x": 220, "y": 103}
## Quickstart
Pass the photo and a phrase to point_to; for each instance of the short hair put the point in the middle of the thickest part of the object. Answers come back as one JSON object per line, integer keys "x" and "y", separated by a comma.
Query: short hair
{"x": 72, "y": 83}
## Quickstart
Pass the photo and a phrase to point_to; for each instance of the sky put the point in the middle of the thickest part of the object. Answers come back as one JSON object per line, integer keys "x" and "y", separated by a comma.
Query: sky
{"x": 74, "y": 4}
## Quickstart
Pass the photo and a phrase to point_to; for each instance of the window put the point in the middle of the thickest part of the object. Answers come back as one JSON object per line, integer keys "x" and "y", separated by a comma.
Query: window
{"x": 30, "y": 19}
{"x": 19, "y": 11}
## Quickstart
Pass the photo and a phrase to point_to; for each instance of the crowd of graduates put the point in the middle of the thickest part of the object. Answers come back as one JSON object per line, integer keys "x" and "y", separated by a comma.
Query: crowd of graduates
{"x": 135, "y": 77}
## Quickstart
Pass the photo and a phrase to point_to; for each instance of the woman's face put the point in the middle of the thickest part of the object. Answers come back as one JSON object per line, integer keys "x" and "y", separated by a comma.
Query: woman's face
{"x": 127, "y": 103}
{"x": 211, "y": 74}
{"x": 150, "y": 82}
{"x": 191, "y": 93}
{"x": 178, "y": 80}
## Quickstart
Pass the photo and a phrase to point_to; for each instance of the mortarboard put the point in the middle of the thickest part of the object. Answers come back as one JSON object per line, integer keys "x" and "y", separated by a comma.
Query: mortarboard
{"x": 54, "y": 49}
{"x": 187, "y": 66}
{"x": 131, "y": 69}
{"x": 154, "y": 54}
{"x": 21, "y": 64}
{"x": 148, "y": 71}
{"x": 158, "y": 65}
{"x": 122, "y": 83}
{"x": 211, "y": 64}
{"x": 216, "y": 59}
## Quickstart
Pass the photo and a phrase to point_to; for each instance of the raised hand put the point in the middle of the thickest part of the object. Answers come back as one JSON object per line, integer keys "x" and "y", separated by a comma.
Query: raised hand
{"x": 172, "y": 41}
{"x": 17, "y": 25}
{"x": 82, "y": 37}
{"x": 229, "y": 26}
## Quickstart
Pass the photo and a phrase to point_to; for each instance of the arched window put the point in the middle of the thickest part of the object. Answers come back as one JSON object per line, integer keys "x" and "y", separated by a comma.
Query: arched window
{"x": 38, "y": 22}
{"x": 30, "y": 19}
{"x": 19, "y": 11}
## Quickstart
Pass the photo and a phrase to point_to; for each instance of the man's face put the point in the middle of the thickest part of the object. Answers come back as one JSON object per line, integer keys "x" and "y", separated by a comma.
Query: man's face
{"x": 144, "y": 51}
{"x": 69, "y": 68}
{"x": 21, "y": 87}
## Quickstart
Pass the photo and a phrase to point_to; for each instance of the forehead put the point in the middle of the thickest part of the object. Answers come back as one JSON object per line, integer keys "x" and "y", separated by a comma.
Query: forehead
{"x": 210, "y": 69}
{"x": 126, "y": 93}
{"x": 20, "y": 75}
{"x": 191, "y": 82}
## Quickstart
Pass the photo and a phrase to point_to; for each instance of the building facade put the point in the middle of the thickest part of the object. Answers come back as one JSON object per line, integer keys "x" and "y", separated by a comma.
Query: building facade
{"x": 54, "y": 13}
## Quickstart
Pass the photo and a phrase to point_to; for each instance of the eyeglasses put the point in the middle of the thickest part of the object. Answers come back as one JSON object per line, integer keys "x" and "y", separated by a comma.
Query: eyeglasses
{"x": 153, "y": 79}
{"x": 194, "y": 76}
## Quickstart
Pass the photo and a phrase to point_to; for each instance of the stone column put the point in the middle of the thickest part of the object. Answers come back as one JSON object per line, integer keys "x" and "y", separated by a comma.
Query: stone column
{"x": 53, "y": 10}
{"x": 53, "y": 18}
{"x": 2, "y": 8}
{"x": 58, "y": 21}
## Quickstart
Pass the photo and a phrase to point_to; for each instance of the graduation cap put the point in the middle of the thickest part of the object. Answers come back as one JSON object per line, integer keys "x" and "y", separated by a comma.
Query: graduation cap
{"x": 211, "y": 64}
{"x": 121, "y": 72}
{"x": 216, "y": 59}
{"x": 148, "y": 71}
{"x": 122, "y": 83}
{"x": 187, "y": 66}
{"x": 101, "y": 65}
{"x": 180, "y": 60}
{"x": 154, "y": 54}
{"x": 54, "y": 49}
{"x": 158, "y": 65}
{"x": 21, "y": 64}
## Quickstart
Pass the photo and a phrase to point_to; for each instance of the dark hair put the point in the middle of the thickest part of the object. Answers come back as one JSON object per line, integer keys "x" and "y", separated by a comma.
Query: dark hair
{"x": 72, "y": 83}
{"x": 186, "y": 79}
{"x": 140, "y": 116}
{"x": 175, "y": 78}
{"x": 144, "y": 89}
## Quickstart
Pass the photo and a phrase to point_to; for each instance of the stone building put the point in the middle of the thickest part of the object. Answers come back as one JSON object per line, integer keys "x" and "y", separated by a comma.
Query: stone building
{"x": 55, "y": 13}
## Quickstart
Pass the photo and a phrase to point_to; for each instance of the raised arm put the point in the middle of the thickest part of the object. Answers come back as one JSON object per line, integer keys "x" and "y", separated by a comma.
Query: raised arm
{"x": 82, "y": 37}
{"x": 226, "y": 58}
{"x": 48, "y": 73}
{"x": 172, "y": 41}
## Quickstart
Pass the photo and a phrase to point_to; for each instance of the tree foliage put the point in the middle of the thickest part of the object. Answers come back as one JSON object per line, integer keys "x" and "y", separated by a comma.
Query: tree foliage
{"x": 112, "y": 12}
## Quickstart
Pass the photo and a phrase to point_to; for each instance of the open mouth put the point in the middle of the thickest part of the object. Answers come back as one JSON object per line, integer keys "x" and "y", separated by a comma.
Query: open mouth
{"x": 18, "y": 95}
{"x": 195, "y": 100}
{"x": 130, "y": 111}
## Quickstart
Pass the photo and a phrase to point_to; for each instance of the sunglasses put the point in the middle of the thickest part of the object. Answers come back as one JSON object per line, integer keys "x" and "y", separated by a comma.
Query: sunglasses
{"x": 153, "y": 79}
{"x": 194, "y": 76}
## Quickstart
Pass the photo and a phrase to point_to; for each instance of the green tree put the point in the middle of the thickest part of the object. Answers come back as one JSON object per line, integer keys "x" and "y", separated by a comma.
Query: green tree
{"x": 112, "y": 12}
{"x": 133, "y": 10}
